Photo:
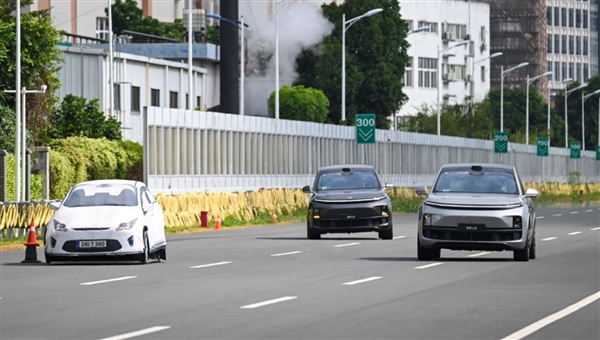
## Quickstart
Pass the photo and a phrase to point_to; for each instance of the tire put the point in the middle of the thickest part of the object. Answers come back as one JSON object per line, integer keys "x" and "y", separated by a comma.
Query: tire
{"x": 522, "y": 255}
{"x": 532, "y": 249}
{"x": 387, "y": 234}
{"x": 145, "y": 257}
{"x": 437, "y": 253}
{"x": 312, "y": 235}
{"x": 163, "y": 254}
{"x": 424, "y": 254}
{"x": 49, "y": 258}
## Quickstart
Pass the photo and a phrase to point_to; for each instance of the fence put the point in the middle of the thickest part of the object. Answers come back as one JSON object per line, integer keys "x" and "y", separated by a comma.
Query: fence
{"x": 188, "y": 151}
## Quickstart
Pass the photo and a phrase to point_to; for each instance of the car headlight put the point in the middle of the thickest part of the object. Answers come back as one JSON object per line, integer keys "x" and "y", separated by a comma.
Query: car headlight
{"x": 517, "y": 222}
{"x": 60, "y": 226}
{"x": 426, "y": 219}
{"x": 126, "y": 225}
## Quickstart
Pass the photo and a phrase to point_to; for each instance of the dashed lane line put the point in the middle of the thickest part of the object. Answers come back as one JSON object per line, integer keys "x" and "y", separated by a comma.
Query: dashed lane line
{"x": 362, "y": 281}
{"x": 289, "y": 253}
{"x": 539, "y": 217}
{"x": 549, "y": 238}
{"x": 478, "y": 254}
{"x": 597, "y": 228}
{"x": 534, "y": 327}
{"x": 138, "y": 333}
{"x": 210, "y": 265}
{"x": 106, "y": 281}
{"x": 269, "y": 302}
{"x": 574, "y": 212}
{"x": 574, "y": 233}
{"x": 429, "y": 265}
{"x": 347, "y": 244}
{"x": 399, "y": 237}
{"x": 556, "y": 215}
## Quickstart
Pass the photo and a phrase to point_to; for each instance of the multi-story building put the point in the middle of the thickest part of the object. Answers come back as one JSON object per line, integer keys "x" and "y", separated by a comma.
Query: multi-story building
{"x": 570, "y": 54}
{"x": 464, "y": 70}
{"x": 594, "y": 36}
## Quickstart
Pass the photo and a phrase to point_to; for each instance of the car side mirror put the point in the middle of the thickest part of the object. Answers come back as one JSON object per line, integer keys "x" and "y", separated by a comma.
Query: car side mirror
{"x": 54, "y": 205}
{"x": 531, "y": 192}
{"x": 389, "y": 186}
{"x": 421, "y": 190}
{"x": 148, "y": 208}
{"x": 306, "y": 189}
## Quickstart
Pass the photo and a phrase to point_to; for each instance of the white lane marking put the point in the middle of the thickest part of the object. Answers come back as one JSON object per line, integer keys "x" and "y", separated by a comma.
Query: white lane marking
{"x": 290, "y": 253}
{"x": 270, "y": 302}
{"x": 552, "y": 318}
{"x": 598, "y": 228}
{"x": 399, "y": 237}
{"x": 574, "y": 233}
{"x": 105, "y": 281}
{"x": 429, "y": 265}
{"x": 556, "y": 215}
{"x": 138, "y": 333}
{"x": 478, "y": 254}
{"x": 347, "y": 244}
{"x": 210, "y": 265}
{"x": 574, "y": 212}
{"x": 362, "y": 281}
{"x": 549, "y": 238}
{"x": 539, "y": 217}
{"x": 590, "y": 210}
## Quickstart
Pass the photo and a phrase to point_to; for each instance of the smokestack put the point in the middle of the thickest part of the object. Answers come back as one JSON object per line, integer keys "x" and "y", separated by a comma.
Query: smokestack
{"x": 230, "y": 60}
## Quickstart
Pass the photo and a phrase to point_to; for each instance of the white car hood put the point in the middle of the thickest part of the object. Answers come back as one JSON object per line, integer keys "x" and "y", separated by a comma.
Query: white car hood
{"x": 96, "y": 217}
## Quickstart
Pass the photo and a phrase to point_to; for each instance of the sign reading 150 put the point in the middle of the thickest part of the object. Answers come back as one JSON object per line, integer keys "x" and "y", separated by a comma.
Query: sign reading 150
{"x": 576, "y": 146}
{"x": 500, "y": 138}
{"x": 542, "y": 142}
{"x": 365, "y": 122}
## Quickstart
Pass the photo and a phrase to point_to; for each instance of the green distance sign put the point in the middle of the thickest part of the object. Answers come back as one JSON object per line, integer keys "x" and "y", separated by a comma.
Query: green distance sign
{"x": 500, "y": 142}
{"x": 365, "y": 128}
{"x": 575, "y": 150}
{"x": 542, "y": 146}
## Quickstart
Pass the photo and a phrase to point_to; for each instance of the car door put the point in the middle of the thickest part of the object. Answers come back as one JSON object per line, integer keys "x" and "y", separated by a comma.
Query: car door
{"x": 148, "y": 210}
{"x": 157, "y": 216}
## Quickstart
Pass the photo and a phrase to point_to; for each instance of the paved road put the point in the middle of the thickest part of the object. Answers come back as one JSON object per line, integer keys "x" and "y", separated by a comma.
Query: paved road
{"x": 272, "y": 283}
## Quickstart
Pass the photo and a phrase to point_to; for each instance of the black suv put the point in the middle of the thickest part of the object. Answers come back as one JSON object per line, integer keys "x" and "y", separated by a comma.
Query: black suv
{"x": 348, "y": 199}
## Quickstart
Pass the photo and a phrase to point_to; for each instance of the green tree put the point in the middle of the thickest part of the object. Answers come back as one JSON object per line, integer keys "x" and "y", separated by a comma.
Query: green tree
{"x": 376, "y": 54}
{"x": 7, "y": 128}
{"x": 40, "y": 62}
{"x": 126, "y": 15}
{"x": 301, "y": 103}
{"x": 76, "y": 117}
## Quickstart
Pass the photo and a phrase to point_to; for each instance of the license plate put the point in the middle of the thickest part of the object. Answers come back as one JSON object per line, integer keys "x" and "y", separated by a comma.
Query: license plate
{"x": 91, "y": 244}
{"x": 352, "y": 216}
{"x": 469, "y": 227}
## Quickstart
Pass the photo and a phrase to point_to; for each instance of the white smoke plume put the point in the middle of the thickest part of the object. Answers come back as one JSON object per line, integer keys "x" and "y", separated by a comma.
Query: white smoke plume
{"x": 300, "y": 25}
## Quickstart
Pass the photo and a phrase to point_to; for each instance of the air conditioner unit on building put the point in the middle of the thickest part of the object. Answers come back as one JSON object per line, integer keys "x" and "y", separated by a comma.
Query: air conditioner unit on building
{"x": 469, "y": 78}
{"x": 445, "y": 36}
{"x": 448, "y": 77}
{"x": 198, "y": 20}
{"x": 452, "y": 36}
{"x": 483, "y": 47}
{"x": 467, "y": 37}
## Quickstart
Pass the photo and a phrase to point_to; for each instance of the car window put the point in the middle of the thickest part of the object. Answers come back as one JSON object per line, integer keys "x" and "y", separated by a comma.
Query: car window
{"x": 348, "y": 180}
{"x": 488, "y": 181}
{"x": 150, "y": 196}
{"x": 146, "y": 198}
{"x": 93, "y": 195}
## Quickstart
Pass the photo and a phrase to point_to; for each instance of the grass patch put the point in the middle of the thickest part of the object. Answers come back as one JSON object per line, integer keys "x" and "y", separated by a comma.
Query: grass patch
{"x": 568, "y": 198}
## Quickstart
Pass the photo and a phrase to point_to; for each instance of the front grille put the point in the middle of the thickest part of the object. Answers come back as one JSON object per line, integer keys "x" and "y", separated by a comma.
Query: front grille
{"x": 71, "y": 246}
{"x": 452, "y": 234}
{"x": 359, "y": 223}
{"x": 90, "y": 229}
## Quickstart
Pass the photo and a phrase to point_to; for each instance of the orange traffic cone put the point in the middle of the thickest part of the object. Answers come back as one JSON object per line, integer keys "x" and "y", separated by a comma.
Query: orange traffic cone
{"x": 274, "y": 217}
{"x": 218, "y": 222}
{"x": 31, "y": 251}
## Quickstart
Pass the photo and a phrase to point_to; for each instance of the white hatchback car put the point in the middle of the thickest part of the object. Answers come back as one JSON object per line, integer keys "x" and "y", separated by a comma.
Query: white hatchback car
{"x": 116, "y": 219}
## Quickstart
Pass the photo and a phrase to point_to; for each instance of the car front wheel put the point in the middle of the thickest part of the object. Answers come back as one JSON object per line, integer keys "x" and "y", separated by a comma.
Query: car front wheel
{"x": 522, "y": 255}
{"x": 387, "y": 234}
{"x": 532, "y": 249}
{"x": 311, "y": 234}
{"x": 145, "y": 257}
{"x": 424, "y": 254}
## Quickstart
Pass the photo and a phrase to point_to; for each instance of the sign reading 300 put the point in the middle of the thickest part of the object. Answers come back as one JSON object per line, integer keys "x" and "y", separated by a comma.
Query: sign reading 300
{"x": 365, "y": 128}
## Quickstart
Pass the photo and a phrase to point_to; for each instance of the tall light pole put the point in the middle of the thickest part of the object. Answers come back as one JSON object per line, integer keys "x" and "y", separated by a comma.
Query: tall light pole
{"x": 344, "y": 29}
{"x": 567, "y": 92}
{"x": 190, "y": 60}
{"x": 18, "y": 105}
{"x": 111, "y": 85}
{"x": 240, "y": 25}
{"x": 529, "y": 82}
{"x": 503, "y": 73}
{"x": 418, "y": 30}
{"x": 277, "y": 2}
{"x": 583, "y": 98}
{"x": 492, "y": 56}
{"x": 438, "y": 77}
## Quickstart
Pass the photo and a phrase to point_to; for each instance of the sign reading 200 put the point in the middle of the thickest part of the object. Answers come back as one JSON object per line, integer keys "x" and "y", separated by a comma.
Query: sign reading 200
{"x": 500, "y": 138}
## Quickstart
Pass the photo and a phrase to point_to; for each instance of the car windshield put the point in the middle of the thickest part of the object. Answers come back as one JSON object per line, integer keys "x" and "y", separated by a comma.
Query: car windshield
{"x": 348, "y": 180}
{"x": 96, "y": 195}
{"x": 487, "y": 181}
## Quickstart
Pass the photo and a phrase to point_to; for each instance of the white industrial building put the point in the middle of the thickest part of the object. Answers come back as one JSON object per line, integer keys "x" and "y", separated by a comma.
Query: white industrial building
{"x": 450, "y": 22}
{"x": 569, "y": 41}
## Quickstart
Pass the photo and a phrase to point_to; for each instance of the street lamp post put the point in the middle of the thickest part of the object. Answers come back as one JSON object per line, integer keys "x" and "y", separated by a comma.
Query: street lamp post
{"x": 344, "y": 28}
{"x": 503, "y": 73}
{"x": 583, "y": 98}
{"x": 21, "y": 143}
{"x": 494, "y": 55}
{"x": 529, "y": 82}
{"x": 567, "y": 92}
{"x": 18, "y": 104}
{"x": 240, "y": 25}
{"x": 438, "y": 77}
{"x": 418, "y": 30}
